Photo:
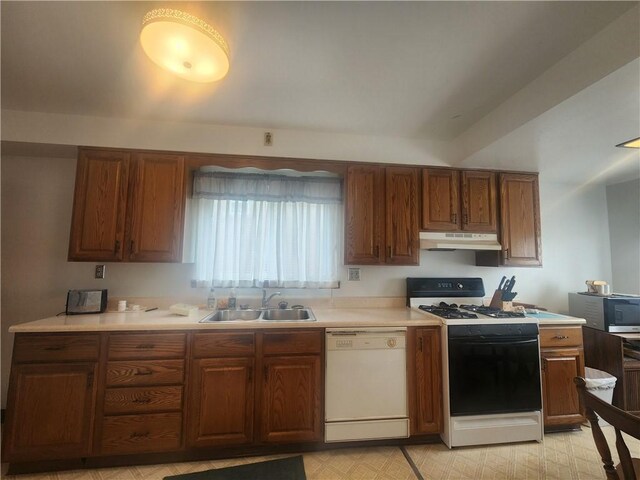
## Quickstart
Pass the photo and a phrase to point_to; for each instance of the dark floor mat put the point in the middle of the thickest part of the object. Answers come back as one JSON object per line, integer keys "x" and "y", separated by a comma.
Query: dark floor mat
{"x": 290, "y": 468}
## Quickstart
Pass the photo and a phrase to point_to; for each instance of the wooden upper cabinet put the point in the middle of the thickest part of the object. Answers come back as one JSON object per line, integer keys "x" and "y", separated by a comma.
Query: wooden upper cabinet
{"x": 478, "y": 193}
{"x": 157, "y": 208}
{"x": 364, "y": 215}
{"x": 455, "y": 200}
{"x": 128, "y": 207}
{"x": 99, "y": 206}
{"x": 520, "y": 220}
{"x": 401, "y": 216}
{"x": 440, "y": 199}
{"x": 381, "y": 219}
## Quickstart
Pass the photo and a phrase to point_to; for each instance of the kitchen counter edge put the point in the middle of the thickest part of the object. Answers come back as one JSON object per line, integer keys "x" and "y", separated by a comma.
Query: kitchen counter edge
{"x": 164, "y": 320}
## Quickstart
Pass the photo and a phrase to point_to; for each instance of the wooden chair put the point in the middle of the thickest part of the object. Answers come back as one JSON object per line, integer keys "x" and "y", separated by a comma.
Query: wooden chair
{"x": 629, "y": 468}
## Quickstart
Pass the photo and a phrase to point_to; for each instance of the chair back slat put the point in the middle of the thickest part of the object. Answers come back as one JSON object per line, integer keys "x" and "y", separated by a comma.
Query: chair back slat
{"x": 620, "y": 420}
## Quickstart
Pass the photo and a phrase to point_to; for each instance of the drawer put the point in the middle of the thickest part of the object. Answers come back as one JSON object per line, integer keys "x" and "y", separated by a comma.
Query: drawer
{"x": 56, "y": 348}
{"x": 145, "y": 372}
{"x": 157, "y": 432}
{"x": 224, "y": 345}
{"x": 152, "y": 345}
{"x": 552, "y": 337}
{"x": 276, "y": 343}
{"x": 142, "y": 400}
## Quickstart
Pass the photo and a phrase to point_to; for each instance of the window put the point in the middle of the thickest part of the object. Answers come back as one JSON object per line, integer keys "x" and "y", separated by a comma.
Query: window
{"x": 265, "y": 230}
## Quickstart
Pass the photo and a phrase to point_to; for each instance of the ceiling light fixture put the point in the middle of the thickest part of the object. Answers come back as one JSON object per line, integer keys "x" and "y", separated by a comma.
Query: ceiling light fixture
{"x": 185, "y": 45}
{"x": 635, "y": 143}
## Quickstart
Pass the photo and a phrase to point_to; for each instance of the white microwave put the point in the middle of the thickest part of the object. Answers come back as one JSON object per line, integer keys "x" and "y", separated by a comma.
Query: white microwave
{"x": 614, "y": 313}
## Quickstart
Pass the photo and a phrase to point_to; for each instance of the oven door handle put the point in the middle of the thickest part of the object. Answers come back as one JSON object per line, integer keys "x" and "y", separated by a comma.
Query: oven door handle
{"x": 505, "y": 341}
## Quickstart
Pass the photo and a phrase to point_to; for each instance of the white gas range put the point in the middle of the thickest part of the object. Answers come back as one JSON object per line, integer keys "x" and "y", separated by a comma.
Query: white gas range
{"x": 491, "y": 364}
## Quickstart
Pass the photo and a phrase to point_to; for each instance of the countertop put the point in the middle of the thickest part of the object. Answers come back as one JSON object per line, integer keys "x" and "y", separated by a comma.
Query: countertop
{"x": 326, "y": 318}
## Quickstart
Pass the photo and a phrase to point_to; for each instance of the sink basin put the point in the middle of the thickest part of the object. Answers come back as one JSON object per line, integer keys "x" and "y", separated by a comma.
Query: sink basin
{"x": 289, "y": 314}
{"x": 272, "y": 315}
{"x": 232, "y": 315}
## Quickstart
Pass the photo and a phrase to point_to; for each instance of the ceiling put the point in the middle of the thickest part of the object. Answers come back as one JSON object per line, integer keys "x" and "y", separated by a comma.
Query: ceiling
{"x": 427, "y": 70}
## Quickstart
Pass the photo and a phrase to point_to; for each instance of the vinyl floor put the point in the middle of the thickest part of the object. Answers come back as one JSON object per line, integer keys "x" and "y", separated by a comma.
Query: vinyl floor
{"x": 562, "y": 456}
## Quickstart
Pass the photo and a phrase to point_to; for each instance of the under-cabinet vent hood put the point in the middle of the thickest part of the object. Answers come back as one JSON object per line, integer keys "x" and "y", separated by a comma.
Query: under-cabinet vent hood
{"x": 459, "y": 241}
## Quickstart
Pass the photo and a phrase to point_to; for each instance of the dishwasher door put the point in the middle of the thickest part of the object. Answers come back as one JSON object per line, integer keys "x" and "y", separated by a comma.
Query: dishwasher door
{"x": 366, "y": 382}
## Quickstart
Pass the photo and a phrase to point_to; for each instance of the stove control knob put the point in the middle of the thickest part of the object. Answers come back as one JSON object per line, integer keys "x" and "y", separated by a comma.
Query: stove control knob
{"x": 459, "y": 286}
{"x": 391, "y": 342}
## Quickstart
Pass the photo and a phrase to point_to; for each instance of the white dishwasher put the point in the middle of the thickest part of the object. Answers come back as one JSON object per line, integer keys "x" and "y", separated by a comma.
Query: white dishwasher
{"x": 366, "y": 384}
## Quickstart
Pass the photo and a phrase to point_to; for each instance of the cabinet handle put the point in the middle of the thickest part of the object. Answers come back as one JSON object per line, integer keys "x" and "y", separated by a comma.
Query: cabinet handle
{"x": 454, "y": 218}
{"x": 55, "y": 348}
{"x": 89, "y": 380}
{"x": 250, "y": 375}
{"x": 266, "y": 374}
{"x": 145, "y": 346}
{"x": 142, "y": 400}
{"x": 389, "y": 254}
{"x": 117, "y": 247}
{"x": 561, "y": 337}
{"x": 143, "y": 372}
{"x": 505, "y": 253}
{"x": 465, "y": 219}
{"x": 133, "y": 244}
{"x": 420, "y": 344}
{"x": 139, "y": 435}
{"x": 377, "y": 250}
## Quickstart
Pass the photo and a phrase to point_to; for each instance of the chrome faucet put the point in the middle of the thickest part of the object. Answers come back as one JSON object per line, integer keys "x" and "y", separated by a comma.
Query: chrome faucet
{"x": 266, "y": 300}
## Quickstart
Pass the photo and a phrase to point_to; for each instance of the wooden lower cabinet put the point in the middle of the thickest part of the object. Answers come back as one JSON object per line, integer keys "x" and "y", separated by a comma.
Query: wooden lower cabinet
{"x": 291, "y": 399}
{"x": 562, "y": 359}
{"x": 425, "y": 381}
{"x": 51, "y": 411}
{"x": 221, "y": 404}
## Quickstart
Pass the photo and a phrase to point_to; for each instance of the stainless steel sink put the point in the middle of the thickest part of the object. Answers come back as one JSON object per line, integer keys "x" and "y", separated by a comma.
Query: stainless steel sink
{"x": 289, "y": 314}
{"x": 271, "y": 315}
{"x": 232, "y": 315}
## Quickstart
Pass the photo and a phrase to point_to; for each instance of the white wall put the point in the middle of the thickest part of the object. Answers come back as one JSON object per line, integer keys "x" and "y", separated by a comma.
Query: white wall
{"x": 37, "y": 195}
{"x": 623, "y": 203}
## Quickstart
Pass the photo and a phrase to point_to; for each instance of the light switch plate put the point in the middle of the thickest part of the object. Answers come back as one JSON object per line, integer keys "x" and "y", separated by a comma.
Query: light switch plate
{"x": 354, "y": 274}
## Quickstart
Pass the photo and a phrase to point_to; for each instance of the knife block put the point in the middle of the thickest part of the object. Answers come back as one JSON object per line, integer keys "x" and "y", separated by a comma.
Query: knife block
{"x": 496, "y": 300}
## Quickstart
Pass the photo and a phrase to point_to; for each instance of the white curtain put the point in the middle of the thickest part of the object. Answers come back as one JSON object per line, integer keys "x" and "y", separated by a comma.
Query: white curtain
{"x": 255, "y": 230}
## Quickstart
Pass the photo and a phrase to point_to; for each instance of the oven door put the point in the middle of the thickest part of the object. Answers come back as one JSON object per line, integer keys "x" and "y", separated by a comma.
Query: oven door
{"x": 494, "y": 375}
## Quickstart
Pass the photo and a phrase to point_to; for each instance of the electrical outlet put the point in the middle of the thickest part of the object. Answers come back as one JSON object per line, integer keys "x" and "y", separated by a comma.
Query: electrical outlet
{"x": 268, "y": 139}
{"x": 100, "y": 271}
{"x": 354, "y": 274}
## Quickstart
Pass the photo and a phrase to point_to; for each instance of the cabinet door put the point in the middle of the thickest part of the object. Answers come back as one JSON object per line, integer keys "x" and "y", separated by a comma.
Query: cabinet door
{"x": 560, "y": 398}
{"x": 99, "y": 206}
{"x": 51, "y": 412}
{"x": 520, "y": 218}
{"x": 291, "y": 393}
{"x": 440, "y": 199}
{"x": 479, "y": 210}
{"x": 402, "y": 216}
{"x": 364, "y": 216}
{"x": 428, "y": 378}
{"x": 157, "y": 208}
{"x": 221, "y": 402}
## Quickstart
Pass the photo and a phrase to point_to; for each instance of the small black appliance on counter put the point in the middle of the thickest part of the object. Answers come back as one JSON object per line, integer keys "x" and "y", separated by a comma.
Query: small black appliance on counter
{"x": 82, "y": 302}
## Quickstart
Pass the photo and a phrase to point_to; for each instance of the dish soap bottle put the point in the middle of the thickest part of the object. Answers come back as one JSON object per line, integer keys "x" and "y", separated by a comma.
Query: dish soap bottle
{"x": 232, "y": 299}
{"x": 212, "y": 303}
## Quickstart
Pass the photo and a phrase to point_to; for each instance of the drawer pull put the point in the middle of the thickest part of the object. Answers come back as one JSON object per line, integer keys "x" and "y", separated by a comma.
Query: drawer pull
{"x": 55, "y": 348}
{"x": 561, "y": 337}
{"x": 142, "y": 400}
{"x": 139, "y": 435}
{"x": 143, "y": 372}
{"x": 145, "y": 346}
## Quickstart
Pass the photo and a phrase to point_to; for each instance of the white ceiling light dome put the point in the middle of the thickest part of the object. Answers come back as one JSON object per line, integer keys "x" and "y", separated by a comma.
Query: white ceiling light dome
{"x": 185, "y": 45}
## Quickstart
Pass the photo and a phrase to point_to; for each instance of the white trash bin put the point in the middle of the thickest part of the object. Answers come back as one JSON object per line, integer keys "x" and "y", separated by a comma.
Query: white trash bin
{"x": 600, "y": 384}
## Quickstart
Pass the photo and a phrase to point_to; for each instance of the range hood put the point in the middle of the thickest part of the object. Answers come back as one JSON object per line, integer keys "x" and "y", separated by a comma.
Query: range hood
{"x": 459, "y": 241}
